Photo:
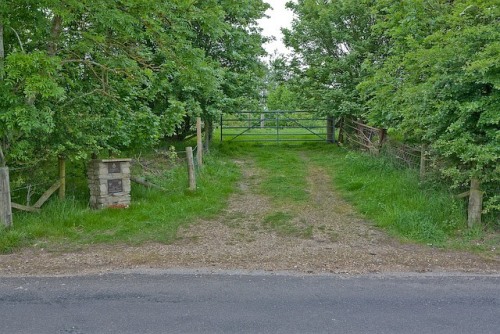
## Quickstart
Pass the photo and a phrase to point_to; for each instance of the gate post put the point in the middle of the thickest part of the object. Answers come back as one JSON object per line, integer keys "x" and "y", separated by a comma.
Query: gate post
{"x": 330, "y": 129}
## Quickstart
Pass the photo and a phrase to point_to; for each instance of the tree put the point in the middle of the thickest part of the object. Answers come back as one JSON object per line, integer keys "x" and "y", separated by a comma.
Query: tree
{"x": 439, "y": 85}
{"x": 330, "y": 39}
{"x": 237, "y": 49}
{"x": 282, "y": 89}
{"x": 84, "y": 76}
{"x": 427, "y": 68}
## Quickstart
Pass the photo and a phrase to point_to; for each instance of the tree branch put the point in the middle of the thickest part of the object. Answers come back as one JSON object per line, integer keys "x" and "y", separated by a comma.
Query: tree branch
{"x": 2, "y": 157}
{"x": 55, "y": 32}
{"x": 2, "y": 49}
{"x": 18, "y": 39}
{"x": 2, "y": 52}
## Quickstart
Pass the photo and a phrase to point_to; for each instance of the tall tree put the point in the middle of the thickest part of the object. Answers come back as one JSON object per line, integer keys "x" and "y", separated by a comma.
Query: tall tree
{"x": 331, "y": 39}
{"x": 82, "y": 76}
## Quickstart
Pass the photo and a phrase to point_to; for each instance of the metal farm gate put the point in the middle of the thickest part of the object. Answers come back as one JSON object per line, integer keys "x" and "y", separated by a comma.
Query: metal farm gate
{"x": 276, "y": 126}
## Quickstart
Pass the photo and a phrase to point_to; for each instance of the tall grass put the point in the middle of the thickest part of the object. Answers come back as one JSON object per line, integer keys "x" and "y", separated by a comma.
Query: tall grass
{"x": 153, "y": 215}
{"x": 394, "y": 198}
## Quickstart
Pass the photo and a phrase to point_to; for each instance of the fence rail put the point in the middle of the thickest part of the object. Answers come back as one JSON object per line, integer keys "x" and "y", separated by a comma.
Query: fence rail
{"x": 374, "y": 140}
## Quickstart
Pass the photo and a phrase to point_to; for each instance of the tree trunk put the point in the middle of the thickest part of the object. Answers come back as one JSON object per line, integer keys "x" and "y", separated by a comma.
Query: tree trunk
{"x": 475, "y": 203}
{"x": 2, "y": 157}
{"x": 55, "y": 32}
{"x": 423, "y": 161}
{"x": 5, "y": 204}
{"x": 209, "y": 128}
{"x": 199, "y": 143}
{"x": 341, "y": 131}
{"x": 2, "y": 51}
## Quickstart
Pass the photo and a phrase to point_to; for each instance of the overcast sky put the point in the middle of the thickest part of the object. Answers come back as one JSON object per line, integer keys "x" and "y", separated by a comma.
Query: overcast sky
{"x": 279, "y": 17}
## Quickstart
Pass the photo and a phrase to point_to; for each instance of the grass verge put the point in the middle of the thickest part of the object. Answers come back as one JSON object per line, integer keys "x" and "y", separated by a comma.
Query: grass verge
{"x": 153, "y": 216}
{"x": 394, "y": 198}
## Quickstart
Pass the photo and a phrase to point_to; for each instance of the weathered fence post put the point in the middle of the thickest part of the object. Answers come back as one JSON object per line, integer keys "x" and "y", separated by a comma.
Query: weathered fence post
{"x": 62, "y": 177}
{"x": 341, "y": 130}
{"x": 191, "y": 171}
{"x": 423, "y": 161}
{"x": 5, "y": 205}
{"x": 199, "y": 143}
{"x": 262, "y": 121}
{"x": 382, "y": 139}
{"x": 475, "y": 203}
{"x": 330, "y": 129}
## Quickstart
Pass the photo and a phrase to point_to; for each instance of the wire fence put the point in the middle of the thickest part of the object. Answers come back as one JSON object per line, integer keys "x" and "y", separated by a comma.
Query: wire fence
{"x": 356, "y": 134}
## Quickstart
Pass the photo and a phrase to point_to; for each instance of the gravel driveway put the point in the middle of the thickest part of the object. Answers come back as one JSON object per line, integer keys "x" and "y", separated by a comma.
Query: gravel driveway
{"x": 335, "y": 240}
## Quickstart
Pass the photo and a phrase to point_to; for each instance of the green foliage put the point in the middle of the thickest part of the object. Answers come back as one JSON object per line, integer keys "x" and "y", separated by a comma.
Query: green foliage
{"x": 429, "y": 69}
{"x": 282, "y": 92}
{"x": 79, "y": 77}
{"x": 439, "y": 84}
{"x": 281, "y": 97}
{"x": 330, "y": 39}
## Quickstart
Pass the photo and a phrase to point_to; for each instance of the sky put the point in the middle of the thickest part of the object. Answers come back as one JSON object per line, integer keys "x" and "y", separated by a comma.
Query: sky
{"x": 279, "y": 17}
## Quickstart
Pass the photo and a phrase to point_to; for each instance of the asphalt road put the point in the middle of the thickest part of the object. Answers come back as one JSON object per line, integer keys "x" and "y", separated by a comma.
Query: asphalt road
{"x": 237, "y": 302}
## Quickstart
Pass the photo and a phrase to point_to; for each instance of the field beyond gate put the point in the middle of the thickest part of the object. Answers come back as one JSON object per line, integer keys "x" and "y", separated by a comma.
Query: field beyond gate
{"x": 276, "y": 126}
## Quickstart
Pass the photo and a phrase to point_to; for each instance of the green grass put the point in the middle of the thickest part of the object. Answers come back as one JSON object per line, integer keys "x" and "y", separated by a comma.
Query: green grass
{"x": 283, "y": 224}
{"x": 153, "y": 216}
{"x": 391, "y": 197}
{"x": 284, "y": 171}
{"x": 394, "y": 198}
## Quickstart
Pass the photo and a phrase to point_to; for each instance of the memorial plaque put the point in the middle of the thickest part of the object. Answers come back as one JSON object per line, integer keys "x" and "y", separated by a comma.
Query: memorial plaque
{"x": 114, "y": 167}
{"x": 115, "y": 186}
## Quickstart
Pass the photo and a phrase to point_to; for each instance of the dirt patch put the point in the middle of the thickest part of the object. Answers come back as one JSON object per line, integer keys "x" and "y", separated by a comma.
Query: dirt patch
{"x": 321, "y": 235}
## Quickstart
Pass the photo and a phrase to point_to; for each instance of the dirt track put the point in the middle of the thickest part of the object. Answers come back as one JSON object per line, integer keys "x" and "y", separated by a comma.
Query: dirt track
{"x": 339, "y": 241}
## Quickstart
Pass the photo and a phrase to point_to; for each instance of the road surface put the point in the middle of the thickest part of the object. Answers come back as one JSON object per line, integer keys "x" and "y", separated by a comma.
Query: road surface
{"x": 249, "y": 302}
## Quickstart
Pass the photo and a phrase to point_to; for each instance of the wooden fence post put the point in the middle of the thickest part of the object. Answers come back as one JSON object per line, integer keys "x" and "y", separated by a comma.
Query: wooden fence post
{"x": 330, "y": 129}
{"x": 5, "y": 204}
{"x": 191, "y": 171}
{"x": 199, "y": 143}
{"x": 423, "y": 161}
{"x": 382, "y": 139}
{"x": 475, "y": 203}
{"x": 62, "y": 177}
{"x": 341, "y": 131}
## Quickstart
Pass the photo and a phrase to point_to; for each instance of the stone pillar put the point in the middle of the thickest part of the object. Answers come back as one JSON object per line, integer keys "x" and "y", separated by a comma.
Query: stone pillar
{"x": 109, "y": 183}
